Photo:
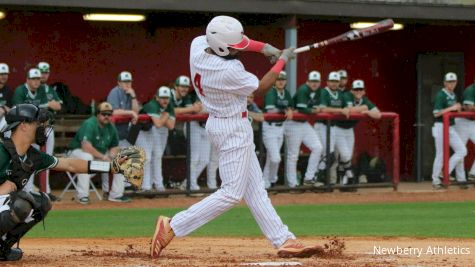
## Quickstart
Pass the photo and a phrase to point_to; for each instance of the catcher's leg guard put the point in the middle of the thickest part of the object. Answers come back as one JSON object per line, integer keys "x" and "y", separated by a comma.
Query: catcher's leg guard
{"x": 7, "y": 223}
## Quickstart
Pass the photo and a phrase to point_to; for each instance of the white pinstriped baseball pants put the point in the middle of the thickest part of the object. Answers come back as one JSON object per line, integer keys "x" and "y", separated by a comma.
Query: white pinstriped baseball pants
{"x": 200, "y": 153}
{"x": 455, "y": 161}
{"x": 154, "y": 143}
{"x": 241, "y": 178}
{"x": 273, "y": 138}
{"x": 296, "y": 133}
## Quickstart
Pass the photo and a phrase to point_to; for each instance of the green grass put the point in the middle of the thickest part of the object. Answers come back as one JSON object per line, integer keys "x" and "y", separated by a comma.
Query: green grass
{"x": 433, "y": 219}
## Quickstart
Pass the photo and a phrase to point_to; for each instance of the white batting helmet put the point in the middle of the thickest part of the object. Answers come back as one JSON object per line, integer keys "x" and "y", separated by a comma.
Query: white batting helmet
{"x": 223, "y": 32}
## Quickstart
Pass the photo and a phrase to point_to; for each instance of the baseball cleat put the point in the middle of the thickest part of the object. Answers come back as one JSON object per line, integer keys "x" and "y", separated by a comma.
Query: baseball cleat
{"x": 162, "y": 237}
{"x": 295, "y": 249}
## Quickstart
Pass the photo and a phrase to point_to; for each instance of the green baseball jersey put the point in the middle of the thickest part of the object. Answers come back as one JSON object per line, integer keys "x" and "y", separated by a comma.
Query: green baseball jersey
{"x": 47, "y": 162}
{"x": 101, "y": 138}
{"x": 278, "y": 100}
{"x": 186, "y": 101}
{"x": 350, "y": 101}
{"x": 153, "y": 109}
{"x": 443, "y": 100}
{"x": 469, "y": 95}
{"x": 40, "y": 98}
{"x": 305, "y": 99}
{"x": 51, "y": 94}
{"x": 331, "y": 99}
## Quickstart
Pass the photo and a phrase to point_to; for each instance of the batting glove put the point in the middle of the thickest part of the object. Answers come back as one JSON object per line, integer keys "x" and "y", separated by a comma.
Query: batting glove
{"x": 271, "y": 52}
{"x": 287, "y": 54}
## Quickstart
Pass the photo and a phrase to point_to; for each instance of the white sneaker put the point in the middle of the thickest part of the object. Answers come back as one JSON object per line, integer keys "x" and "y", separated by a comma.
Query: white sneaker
{"x": 344, "y": 180}
{"x": 363, "y": 179}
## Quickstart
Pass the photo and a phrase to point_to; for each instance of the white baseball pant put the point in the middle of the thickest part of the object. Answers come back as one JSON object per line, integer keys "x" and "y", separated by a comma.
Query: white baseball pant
{"x": 82, "y": 184}
{"x": 321, "y": 129}
{"x": 297, "y": 132}
{"x": 466, "y": 130}
{"x": 241, "y": 178}
{"x": 273, "y": 138}
{"x": 154, "y": 142}
{"x": 455, "y": 161}
{"x": 212, "y": 168}
{"x": 200, "y": 152}
{"x": 118, "y": 180}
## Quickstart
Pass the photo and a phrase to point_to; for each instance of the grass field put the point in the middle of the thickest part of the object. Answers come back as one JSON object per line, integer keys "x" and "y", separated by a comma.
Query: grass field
{"x": 434, "y": 219}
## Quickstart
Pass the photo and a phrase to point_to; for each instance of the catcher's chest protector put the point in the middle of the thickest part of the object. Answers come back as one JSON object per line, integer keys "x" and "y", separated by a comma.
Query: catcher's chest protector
{"x": 20, "y": 171}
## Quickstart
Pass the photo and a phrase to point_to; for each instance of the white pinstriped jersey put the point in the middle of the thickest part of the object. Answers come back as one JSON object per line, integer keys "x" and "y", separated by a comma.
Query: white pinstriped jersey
{"x": 221, "y": 84}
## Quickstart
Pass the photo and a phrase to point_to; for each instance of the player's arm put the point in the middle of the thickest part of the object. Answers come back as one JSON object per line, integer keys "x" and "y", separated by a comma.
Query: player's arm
{"x": 170, "y": 123}
{"x": 373, "y": 112}
{"x": 266, "y": 83}
{"x": 439, "y": 109}
{"x": 113, "y": 99}
{"x": 325, "y": 108}
{"x": 7, "y": 187}
{"x": 159, "y": 120}
{"x": 256, "y": 116}
{"x": 55, "y": 103}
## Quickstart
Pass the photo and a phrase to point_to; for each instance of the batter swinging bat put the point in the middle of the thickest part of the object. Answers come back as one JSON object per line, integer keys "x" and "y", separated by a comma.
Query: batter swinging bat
{"x": 379, "y": 27}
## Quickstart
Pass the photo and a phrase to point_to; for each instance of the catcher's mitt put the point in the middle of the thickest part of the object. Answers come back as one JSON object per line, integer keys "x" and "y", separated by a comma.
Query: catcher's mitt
{"x": 132, "y": 166}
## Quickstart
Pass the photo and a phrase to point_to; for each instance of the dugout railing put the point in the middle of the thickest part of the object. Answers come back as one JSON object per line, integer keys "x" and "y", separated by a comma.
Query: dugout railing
{"x": 390, "y": 117}
{"x": 446, "y": 144}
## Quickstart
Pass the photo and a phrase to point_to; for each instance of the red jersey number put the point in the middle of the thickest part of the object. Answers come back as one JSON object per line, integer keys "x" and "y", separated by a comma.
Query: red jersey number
{"x": 197, "y": 83}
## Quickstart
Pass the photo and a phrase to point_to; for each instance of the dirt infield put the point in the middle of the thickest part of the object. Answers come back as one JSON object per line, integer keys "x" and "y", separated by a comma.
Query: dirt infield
{"x": 197, "y": 251}
{"x": 200, "y": 251}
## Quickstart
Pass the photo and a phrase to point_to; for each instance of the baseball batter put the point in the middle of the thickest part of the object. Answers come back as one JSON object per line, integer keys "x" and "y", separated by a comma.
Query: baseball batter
{"x": 357, "y": 102}
{"x": 223, "y": 84}
{"x": 154, "y": 140}
{"x": 277, "y": 100}
{"x": 32, "y": 92}
{"x": 465, "y": 127}
{"x": 446, "y": 101}
{"x": 331, "y": 101}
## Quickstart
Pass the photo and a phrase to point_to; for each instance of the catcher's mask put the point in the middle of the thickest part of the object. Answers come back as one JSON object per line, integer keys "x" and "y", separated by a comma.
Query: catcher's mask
{"x": 30, "y": 113}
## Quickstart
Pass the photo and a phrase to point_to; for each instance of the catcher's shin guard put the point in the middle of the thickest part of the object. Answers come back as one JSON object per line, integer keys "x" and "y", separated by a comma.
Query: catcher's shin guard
{"x": 162, "y": 237}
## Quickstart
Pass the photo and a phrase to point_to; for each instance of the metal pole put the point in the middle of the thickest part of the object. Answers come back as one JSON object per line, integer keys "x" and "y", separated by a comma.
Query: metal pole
{"x": 291, "y": 67}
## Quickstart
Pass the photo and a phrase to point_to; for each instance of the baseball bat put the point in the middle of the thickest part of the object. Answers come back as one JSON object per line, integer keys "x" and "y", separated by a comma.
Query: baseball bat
{"x": 379, "y": 27}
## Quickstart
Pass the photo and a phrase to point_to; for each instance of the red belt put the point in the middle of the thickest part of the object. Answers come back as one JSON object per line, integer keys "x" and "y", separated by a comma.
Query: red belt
{"x": 243, "y": 115}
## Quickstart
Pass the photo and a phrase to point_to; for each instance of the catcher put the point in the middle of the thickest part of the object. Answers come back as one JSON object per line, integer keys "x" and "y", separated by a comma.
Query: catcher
{"x": 20, "y": 210}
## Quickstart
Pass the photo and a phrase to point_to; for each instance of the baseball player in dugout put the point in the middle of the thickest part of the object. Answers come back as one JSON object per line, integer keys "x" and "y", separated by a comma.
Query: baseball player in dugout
{"x": 446, "y": 101}
{"x": 357, "y": 102}
{"x": 343, "y": 81}
{"x": 124, "y": 102}
{"x": 51, "y": 95}
{"x": 305, "y": 101}
{"x": 21, "y": 210}
{"x": 465, "y": 127}
{"x": 223, "y": 85}
{"x": 5, "y": 93}
{"x": 186, "y": 102}
{"x": 33, "y": 92}
{"x": 96, "y": 139}
{"x": 331, "y": 101}
{"x": 278, "y": 100}
{"x": 154, "y": 139}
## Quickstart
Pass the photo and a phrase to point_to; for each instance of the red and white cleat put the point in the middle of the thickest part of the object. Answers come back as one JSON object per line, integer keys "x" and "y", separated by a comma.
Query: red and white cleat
{"x": 294, "y": 249}
{"x": 162, "y": 237}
